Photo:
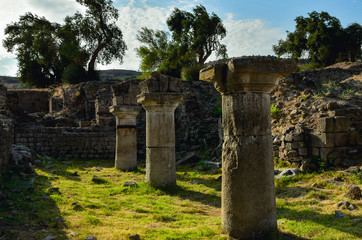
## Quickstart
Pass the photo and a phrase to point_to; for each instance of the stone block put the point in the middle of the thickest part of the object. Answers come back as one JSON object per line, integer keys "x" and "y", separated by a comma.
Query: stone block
{"x": 296, "y": 145}
{"x": 333, "y": 124}
{"x": 322, "y": 140}
{"x": 294, "y": 137}
{"x": 295, "y": 159}
{"x": 303, "y": 151}
{"x": 345, "y": 139}
{"x": 292, "y": 153}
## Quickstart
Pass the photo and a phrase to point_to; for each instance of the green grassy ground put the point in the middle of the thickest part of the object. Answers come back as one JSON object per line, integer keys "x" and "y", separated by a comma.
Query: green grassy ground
{"x": 53, "y": 201}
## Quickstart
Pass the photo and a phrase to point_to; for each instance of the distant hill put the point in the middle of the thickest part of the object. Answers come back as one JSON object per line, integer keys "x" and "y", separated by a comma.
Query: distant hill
{"x": 118, "y": 74}
{"x": 113, "y": 74}
{"x": 10, "y": 82}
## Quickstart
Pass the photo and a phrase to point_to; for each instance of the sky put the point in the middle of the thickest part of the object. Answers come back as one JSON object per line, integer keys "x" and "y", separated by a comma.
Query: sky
{"x": 253, "y": 26}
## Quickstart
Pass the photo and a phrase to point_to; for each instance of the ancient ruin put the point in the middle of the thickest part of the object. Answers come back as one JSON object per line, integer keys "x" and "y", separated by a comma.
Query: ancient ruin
{"x": 248, "y": 193}
{"x": 126, "y": 109}
{"x": 160, "y": 97}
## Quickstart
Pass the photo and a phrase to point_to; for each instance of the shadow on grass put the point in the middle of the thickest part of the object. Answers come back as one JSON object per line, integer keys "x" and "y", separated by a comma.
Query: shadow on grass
{"x": 292, "y": 192}
{"x": 184, "y": 193}
{"x": 342, "y": 224}
{"x": 27, "y": 208}
{"x": 288, "y": 236}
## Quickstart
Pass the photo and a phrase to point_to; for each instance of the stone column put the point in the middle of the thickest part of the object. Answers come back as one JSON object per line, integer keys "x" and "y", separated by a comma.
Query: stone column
{"x": 126, "y": 109}
{"x": 126, "y": 136}
{"x": 160, "y": 98}
{"x": 248, "y": 191}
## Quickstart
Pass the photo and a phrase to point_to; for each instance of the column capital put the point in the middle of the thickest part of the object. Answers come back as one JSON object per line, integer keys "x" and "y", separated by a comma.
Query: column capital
{"x": 160, "y": 101}
{"x": 125, "y": 111}
{"x": 247, "y": 74}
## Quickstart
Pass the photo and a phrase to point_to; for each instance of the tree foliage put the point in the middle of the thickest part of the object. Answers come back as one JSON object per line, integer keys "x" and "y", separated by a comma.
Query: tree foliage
{"x": 49, "y": 53}
{"x": 323, "y": 39}
{"x": 193, "y": 37}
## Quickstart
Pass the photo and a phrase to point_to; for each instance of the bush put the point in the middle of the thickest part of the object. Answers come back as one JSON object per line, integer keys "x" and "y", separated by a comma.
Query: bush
{"x": 191, "y": 73}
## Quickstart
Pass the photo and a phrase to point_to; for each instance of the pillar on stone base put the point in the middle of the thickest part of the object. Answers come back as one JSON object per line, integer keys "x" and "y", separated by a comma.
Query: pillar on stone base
{"x": 248, "y": 191}
{"x": 126, "y": 136}
{"x": 160, "y": 99}
{"x": 126, "y": 109}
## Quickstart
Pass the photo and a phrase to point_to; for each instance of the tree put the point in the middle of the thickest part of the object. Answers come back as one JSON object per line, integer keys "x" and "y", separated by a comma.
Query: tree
{"x": 194, "y": 37}
{"x": 49, "y": 53}
{"x": 323, "y": 39}
{"x": 103, "y": 40}
{"x": 35, "y": 41}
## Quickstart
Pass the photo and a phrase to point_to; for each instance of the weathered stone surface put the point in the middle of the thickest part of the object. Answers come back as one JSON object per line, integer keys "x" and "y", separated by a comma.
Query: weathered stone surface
{"x": 248, "y": 197}
{"x": 160, "y": 83}
{"x": 333, "y": 124}
{"x": 250, "y": 74}
{"x": 245, "y": 114}
{"x": 160, "y": 129}
{"x": 322, "y": 140}
{"x": 126, "y": 136}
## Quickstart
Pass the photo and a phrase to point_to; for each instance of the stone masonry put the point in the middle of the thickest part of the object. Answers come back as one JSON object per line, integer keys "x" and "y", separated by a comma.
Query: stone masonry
{"x": 126, "y": 109}
{"x": 334, "y": 139}
{"x": 160, "y": 98}
{"x": 74, "y": 143}
{"x": 248, "y": 192}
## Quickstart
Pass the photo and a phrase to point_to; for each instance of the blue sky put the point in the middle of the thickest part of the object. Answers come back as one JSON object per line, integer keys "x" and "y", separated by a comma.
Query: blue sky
{"x": 253, "y": 26}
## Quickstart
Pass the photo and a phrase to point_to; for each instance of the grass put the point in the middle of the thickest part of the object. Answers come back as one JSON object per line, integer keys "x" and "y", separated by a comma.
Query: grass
{"x": 55, "y": 202}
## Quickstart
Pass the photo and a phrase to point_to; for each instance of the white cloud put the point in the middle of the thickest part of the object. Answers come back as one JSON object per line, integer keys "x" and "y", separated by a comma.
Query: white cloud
{"x": 132, "y": 18}
{"x": 250, "y": 37}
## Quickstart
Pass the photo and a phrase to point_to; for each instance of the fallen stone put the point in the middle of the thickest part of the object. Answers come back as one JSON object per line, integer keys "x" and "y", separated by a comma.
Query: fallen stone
{"x": 91, "y": 238}
{"x": 192, "y": 156}
{"x": 354, "y": 192}
{"x": 130, "y": 184}
{"x": 339, "y": 214}
{"x": 75, "y": 173}
{"x": 49, "y": 238}
{"x": 290, "y": 172}
{"x": 134, "y": 237}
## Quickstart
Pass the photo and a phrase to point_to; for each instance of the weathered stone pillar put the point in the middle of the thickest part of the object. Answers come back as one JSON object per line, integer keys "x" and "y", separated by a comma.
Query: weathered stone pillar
{"x": 126, "y": 109}
{"x": 248, "y": 192}
{"x": 160, "y": 98}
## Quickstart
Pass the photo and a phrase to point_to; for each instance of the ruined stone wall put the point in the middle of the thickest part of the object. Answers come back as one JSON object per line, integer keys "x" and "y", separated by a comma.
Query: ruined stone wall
{"x": 79, "y": 143}
{"x": 6, "y": 140}
{"x": 30, "y": 100}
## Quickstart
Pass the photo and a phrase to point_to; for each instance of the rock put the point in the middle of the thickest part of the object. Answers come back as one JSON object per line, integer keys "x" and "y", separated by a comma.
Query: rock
{"x": 130, "y": 184}
{"x": 49, "y": 238}
{"x": 91, "y": 238}
{"x": 351, "y": 207}
{"x": 190, "y": 157}
{"x": 291, "y": 172}
{"x": 354, "y": 169}
{"x": 356, "y": 220}
{"x": 134, "y": 237}
{"x": 343, "y": 204}
{"x": 211, "y": 165}
{"x": 307, "y": 165}
{"x": 75, "y": 173}
{"x": 315, "y": 185}
{"x": 338, "y": 214}
{"x": 354, "y": 192}
{"x": 338, "y": 179}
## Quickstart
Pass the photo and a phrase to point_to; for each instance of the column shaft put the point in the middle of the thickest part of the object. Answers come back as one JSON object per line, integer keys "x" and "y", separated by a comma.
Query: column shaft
{"x": 248, "y": 195}
{"x": 160, "y": 148}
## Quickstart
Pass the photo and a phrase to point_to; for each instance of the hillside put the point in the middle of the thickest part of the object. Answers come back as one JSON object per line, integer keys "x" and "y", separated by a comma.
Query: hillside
{"x": 112, "y": 74}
